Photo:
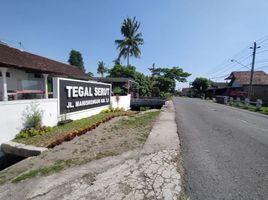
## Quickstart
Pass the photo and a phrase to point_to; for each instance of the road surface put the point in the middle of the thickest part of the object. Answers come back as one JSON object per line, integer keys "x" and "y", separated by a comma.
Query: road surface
{"x": 225, "y": 150}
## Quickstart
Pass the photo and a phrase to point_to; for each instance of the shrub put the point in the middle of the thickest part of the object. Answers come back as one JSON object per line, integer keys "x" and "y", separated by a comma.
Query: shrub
{"x": 32, "y": 116}
{"x": 108, "y": 110}
{"x": 31, "y": 132}
{"x": 118, "y": 91}
{"x": 143, "y": 108}
{"x": 265, "y": 110}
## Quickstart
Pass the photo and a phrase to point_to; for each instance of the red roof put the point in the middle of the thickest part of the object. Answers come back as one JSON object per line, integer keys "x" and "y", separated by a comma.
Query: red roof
{"x": 243, "y": 77}
{"x": 11, "y": 57}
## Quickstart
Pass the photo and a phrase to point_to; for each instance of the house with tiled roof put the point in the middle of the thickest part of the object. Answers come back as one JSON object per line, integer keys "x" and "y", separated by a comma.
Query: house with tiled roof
{"x": 31, "y": 83}
{"x": 239, "y": 84}
{"x": 24, "y": 75}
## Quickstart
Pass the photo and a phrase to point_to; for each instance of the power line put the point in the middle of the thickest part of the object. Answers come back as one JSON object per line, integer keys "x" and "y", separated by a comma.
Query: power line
{"x": 226, "y": 74}
{"x": 262, "y": 51}
{"x": 263, "y": 39}
{"x": 226, "y": 65}
{"x": 262, "y": 67}
{"x": 231, "y": 65}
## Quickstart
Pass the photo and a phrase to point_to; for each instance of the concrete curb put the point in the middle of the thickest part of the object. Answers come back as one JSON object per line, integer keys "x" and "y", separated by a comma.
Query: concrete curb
{"x": 164, "y": 133}
{"x": 22, "y": 150}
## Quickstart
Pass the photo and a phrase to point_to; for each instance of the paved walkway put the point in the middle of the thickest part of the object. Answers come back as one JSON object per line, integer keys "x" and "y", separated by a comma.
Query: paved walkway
{"x": 149, "y": 174}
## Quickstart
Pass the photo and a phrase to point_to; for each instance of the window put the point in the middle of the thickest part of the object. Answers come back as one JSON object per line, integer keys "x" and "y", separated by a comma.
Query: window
{"x": 37, "y": 76}
{"x": 7, "y": 74}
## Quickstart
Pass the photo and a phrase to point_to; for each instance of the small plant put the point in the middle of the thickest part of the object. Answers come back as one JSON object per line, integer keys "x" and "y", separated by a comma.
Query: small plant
{"x": 64, "y": 119}
{"x": 265, "y": 110}
{"x": 118, "y": 91}
{"x": 32, "y": 116}
{"x": 144, "y": 108}
{"x": 31, "y": 132}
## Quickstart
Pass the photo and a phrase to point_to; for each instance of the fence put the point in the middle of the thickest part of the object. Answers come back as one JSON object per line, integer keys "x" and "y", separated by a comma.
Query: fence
{"x": 237, "y": 102}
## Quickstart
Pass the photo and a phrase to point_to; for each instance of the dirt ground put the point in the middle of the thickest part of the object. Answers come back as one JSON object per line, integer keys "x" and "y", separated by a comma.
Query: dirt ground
{"x": 109, "y": 139}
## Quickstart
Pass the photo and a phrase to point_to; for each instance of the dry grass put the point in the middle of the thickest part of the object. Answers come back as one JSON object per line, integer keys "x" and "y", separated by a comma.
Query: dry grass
{"x": 109, "y": 139}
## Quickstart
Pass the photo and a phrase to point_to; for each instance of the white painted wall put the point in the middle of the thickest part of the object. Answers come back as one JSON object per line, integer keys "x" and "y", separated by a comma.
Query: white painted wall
{"x": 84, "y": 113}
{"x": 124, "y": 102}
{"x": 11, "y": 113}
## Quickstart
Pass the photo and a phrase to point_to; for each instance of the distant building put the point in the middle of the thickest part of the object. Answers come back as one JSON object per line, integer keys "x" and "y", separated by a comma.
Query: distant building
{"x": 24, "y": 75}
{"x": 217, "y": 89}
{"x": 239, "y": 84}
{"x": 186, "y": 91}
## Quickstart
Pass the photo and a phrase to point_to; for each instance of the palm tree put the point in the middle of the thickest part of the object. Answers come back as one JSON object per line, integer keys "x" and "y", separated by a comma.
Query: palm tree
{"x": 101, "y": 68}
{"x": 129, "y": 46}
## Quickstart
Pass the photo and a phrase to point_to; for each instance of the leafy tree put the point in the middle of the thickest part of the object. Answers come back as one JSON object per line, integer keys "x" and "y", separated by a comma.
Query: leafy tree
{"x": 118, "y": 91}
{"x": 165, "y": 79}
{"x": 122, "y": 71}
{"x": 101, "y": 68}
{"x": 164, "y": 84}
{"x": 90, "y": 74}
{"x": 76, "y": 59}
{"x": 144, "y": 85}
{"x": 129, "y": 45}
{"x": 201, "y": 84}
{"x": 175, "y": 73}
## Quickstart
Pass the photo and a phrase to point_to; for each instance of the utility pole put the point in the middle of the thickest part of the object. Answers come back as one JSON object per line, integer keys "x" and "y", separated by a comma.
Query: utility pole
{"x": 250, "y": 89}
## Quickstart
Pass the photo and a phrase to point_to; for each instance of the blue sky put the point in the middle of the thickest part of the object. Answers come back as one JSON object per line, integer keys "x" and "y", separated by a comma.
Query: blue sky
{"x": 195, "y": 35}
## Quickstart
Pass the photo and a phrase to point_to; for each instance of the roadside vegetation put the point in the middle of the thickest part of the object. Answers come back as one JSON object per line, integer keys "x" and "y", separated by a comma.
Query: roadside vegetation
{"x": 112, "y": 138}
{"x": 53, "y": 136}
{"x": 252, "y": 107}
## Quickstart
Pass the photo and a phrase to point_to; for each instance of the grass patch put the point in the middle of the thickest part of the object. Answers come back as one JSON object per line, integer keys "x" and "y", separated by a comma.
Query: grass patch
{"x": 252, "y": 107}
{"x": 101, "y": 155}
{"x": 131, "y": 134}
{"x": 44, "y": 171}
{"x": 183, "y": 196}
{"x": 59, "y": 131}
{"x": 56, "y": 167}
{"x": 139, "y": 120}
{"x": 264, "y": 110}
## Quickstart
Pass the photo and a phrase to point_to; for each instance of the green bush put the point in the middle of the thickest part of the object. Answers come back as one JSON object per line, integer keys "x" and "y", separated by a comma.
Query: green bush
{"x": 111, "y": 109}
{"x": 118, "y": 91}
{"x": 265, "y": 110}
{"x": 143, "y": 108}
{"x": 31, "y": 132}
{"x": 32, "y": 117}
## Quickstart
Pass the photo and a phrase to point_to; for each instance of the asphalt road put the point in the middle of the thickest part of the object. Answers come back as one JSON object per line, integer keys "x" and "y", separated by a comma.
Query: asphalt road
{"x": 224, "y": 149}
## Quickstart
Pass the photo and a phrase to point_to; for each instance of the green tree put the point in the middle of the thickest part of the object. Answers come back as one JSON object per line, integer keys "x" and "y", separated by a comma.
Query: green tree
{"x": 175, "y": 73}
{"x": 76, "y": 59}
{"x": 101, "y": 68}
{"x": 143, "y": 86}
{"x": 90, "y": 74}
{"x": 165, "y": 79}
{"x": 119, "y": 70}
{"x": 129, "y": 45}
{"x": 164, "y": 84}
{"x": 201, "y": 84}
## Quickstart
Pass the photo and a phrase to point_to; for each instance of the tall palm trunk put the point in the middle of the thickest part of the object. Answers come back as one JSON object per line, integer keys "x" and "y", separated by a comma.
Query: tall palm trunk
{"x": 128, "y": 56}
